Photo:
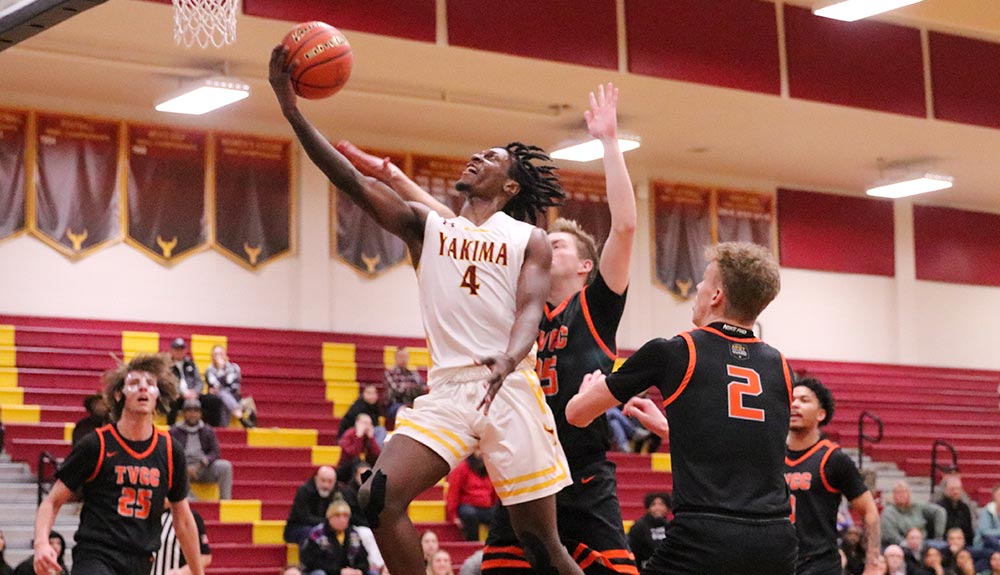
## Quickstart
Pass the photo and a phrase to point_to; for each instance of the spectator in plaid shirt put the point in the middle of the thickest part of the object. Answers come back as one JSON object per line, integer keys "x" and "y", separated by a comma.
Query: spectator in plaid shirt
{"x": 402, "y": 385}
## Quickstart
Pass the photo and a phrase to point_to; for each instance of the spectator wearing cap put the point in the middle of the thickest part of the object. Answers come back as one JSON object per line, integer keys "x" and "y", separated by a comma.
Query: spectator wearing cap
{"x": 97, "y": 416}
{"x": 190, "y": 386}
{"x": 201, "y": 450}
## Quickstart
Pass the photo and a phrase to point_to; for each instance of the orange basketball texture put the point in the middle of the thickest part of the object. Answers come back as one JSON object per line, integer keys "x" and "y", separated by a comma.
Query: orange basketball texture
{"x": 324, "y": 59}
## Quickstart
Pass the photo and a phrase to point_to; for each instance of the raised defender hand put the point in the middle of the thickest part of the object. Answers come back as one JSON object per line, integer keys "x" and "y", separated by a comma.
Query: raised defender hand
{"x": 648, "y": 414}
{"x": 500, "y": 367}
{"x": 602, "y": 117}
{"x": 280, "y": 76}
{"x": 368, "y": 164}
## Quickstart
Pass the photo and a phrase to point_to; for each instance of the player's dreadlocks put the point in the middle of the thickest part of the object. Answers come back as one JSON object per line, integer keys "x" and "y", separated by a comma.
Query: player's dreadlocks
{"x": 540, "y": 188}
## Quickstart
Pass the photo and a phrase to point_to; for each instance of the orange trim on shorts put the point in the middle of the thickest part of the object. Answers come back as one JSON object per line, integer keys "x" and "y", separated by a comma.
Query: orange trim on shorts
{"x": 580, "y": 548}
{"x": 100, "y": 454}
{"x": 692, "y": 358}
{"x": 593, "y": 330}
{"x": 430, "y": 435}
{"x": 501, "y": 563}
{"x": 618, "y": 554}
{"x": 822, "y": 468}
{"x": 129, "y": 450}
{"x": 729, "y": 337}
{"x": 627, "y": 569}
{"x": 511, "y": 550}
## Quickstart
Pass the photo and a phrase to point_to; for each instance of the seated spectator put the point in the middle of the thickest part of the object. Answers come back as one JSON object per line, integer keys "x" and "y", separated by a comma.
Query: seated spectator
{"x": 994, "y": 564}
{"x": 5, "y": 569}
{"x": 170, "y": 560}
{"x": 312, "y": 499}
{"x": 334, "y": 547}
{"x": 913, "y": 550}
{"x": 853, "y": 550}
{"x": 473, "y": 564}
{"x": 902, "y": 514}
{"x": 429, "y": 543}
{"x": 225, "y": 381}
{"x": 623, "y": 430}
{"x": 201, "y": 450}
{"x": 958, "y": 513}
{"x": 440, "y": 564}
{"x": 955, "y": 540}
{"x": 357, "y": 444}
{"x": 27, "y": 567}
{"x": 97, "y": 416}
{"x": 401, "y": 384}
{"x": 964, "y": 564}
{"x": 471, "y": 499}
{"x": 932, "y": 562}
{"x": 189, "y": 384}
{"x": 349, "y": 491}
{"x": 894, "y": 562}
{"x": 367, "y": 403}
{"x": 651, "y": 528}
{"x": 988, "y": 534}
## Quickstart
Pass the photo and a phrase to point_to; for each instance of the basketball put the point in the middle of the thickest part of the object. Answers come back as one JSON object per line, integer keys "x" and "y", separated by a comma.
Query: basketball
{"x": 324, "y": 59}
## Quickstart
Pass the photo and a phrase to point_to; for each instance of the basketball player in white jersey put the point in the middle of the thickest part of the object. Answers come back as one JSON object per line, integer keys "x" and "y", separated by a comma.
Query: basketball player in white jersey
{"x": 483, "y": 280}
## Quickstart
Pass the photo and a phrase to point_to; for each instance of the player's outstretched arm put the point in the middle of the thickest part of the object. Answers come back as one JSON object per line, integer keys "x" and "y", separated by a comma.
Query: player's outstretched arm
{"x": 383, "y": 170}
{"x": 864, "y": 505}
{"x": 602, "y": 123}
{"x": 377, "y": 199}
{"x": 593, "y": 399}
{"x": 532, "y": 289}
{"x": 649, "y": 415}
{"x": 187, "y": 533}
{"x": 46, "y": 558}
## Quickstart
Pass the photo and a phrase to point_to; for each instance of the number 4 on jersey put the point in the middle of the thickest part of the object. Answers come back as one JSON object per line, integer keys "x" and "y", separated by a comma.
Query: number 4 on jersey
{"x": 469, "y": 280}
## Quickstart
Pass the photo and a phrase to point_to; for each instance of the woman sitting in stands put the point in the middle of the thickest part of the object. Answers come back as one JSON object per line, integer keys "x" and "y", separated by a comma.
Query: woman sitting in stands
{"x": 224, "y": 380}
{"x": 440, "y": 564}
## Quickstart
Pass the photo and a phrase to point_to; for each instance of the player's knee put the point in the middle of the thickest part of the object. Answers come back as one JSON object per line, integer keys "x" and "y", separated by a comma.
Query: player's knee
{"x": 372, "y": 497}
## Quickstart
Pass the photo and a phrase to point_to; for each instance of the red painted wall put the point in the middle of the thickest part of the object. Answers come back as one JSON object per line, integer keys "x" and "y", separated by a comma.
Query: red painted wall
{"x": 966, "y": 80}
{"x": 956, "y": 246}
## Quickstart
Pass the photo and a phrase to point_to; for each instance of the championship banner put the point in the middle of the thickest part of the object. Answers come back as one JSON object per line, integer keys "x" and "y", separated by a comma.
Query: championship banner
{"x": 253, "y": 198}
{"x": 586, "y": 203}
{"x": 357, "y": 239}
{"x": 166, "y": 191}
{"x": 76, "y": 193}
{"x": 744, "y": 217}
{"x": 13, "y": 152}
{"x": 437, "y": 175}
{"x": 682, "y": 230}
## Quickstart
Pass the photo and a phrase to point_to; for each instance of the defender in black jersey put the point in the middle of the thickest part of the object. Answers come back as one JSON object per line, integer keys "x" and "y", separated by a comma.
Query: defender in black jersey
{"x": 727, "y": 398}
{"x": 124, "y": 473}
{"x": 577, "y": 336}
{"x": 818, "y": 474}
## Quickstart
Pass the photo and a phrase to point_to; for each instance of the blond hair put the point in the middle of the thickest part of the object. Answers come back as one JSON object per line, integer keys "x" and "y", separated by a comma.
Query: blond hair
{"x": 750, "y": 278}
{"x": 586, "y": 245}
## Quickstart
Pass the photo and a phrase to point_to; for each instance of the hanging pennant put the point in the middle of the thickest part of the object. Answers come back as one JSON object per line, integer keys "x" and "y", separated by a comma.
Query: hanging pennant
{"x": 681, "y": 232}
{"x": 745, "y": 217}
{"x": 13, "y": 157}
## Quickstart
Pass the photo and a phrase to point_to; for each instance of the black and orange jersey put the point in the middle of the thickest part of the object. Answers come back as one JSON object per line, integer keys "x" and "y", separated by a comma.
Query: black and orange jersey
{"x": 728, "y": 403}
{"x": 817, "y": 478}
{"x": 575, "y": 338}
{"x": 124, "y": 484}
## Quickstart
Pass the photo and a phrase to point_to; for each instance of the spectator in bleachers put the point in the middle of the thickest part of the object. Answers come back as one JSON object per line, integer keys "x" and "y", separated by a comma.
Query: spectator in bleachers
{"x": 429, "y": 543}
{"x": 964, "y": 564}
{"x": 854, "y": 551}
{"x": 5, "y": 569}
{"x": 958, "y": 513}
{"x": 225, "y": 380}
{"x": 58, "y": 543}
{"x": 894, "y": 562}
{"x": 97, "y": 416}
{"x": 994, "y": 564}
{"x": 902, "y": 514}
{"x": 623, "y": 429}
{"x": 471, "y": 499}
{"x": 913, "y": 549}
{"x": 189, "y": 384}
{"x": 357, "y": 444}
{"x": 169, "y": 559}
{"x": 366, "y": 403}
{"x": 955, "y": 540}
{"x": 201, "y": 450}
{"x": 651, "y": 528}
{"x": 309, "y": 506}
{"x": 932, "y": 564}
{"x": 440, "y": 564}
{"x": 988, "y": 534}
{"x": 334, "y": 546}
{"x": 401, "y": 384}
{"x": 349, "y": 491}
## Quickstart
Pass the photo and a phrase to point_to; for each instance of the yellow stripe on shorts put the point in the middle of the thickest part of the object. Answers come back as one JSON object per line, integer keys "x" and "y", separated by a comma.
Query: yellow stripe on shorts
{"x": 562, "y": 475}
{"x": 433, "y": 435}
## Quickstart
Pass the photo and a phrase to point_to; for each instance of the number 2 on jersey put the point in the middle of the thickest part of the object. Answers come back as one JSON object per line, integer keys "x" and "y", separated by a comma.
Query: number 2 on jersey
{"x": 469, "y": 280}
{"x": 738, "y": 389}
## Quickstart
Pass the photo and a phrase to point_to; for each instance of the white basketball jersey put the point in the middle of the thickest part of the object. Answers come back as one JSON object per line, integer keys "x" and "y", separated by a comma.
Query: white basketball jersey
{"x": 468, "y": 278}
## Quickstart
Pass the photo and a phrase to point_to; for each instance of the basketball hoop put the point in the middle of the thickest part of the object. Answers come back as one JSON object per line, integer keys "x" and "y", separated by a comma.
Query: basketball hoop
{"x": 205, "y": 22}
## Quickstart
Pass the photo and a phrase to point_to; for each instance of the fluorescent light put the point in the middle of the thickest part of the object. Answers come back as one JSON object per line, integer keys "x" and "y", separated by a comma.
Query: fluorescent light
{"x": 204, "y": 96}
{"x": 910, "y": 186}
{"x": 851, "y": 10}
{"x": 592, "y": 149}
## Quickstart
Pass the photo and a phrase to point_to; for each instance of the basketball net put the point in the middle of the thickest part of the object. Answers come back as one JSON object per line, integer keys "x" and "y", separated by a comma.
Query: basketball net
{"x": 205, "y": 22}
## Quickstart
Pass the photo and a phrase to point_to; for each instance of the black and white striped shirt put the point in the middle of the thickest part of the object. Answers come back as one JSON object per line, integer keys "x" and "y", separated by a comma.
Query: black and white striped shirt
{"x": 169, "y": 556}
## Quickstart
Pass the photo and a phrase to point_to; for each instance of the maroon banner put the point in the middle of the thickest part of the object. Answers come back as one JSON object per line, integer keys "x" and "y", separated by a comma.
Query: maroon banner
{"x": 253, "y": 198}
{"x": 437, "y": 175}
{"x": 681, "y": 232}
{"x": 586, "y": 203}
{"x": 13, "y": 149}
{"x": 744, "y": 217}
{"x": 76, "y": 195}
{"x": 359, "y": 240}
{"x": 166, "y": 191}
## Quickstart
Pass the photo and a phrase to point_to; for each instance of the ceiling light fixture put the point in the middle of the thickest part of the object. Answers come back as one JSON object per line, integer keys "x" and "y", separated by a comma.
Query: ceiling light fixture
{"x": 592, "y": 149}
{"x": 205, "y": 95}
{"x": 851, "y": 10}
{"x": 910, "y": 185}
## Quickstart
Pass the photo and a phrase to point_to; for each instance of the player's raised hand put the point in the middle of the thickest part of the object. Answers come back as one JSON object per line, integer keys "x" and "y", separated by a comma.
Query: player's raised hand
{"x": 602, "y": 117}
{"x": 46, "y": 561}
{"x": 648, "y": 414}
{"x": 368, "y": 164}
{"x": 280, "y": 76}
{"x": 500, "y": 367}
